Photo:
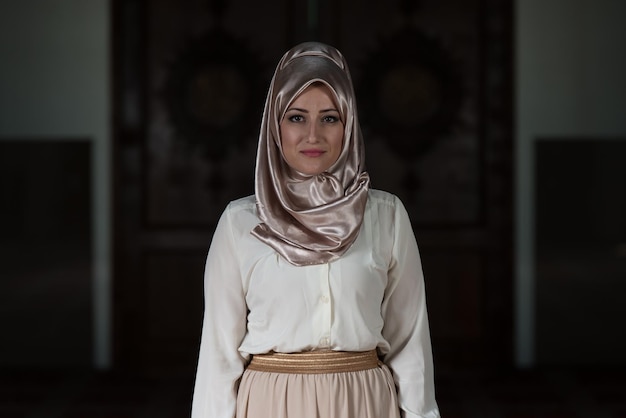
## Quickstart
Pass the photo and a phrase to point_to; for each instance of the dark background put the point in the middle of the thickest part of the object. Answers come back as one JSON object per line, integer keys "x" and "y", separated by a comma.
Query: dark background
{"x": 435, "y": 83}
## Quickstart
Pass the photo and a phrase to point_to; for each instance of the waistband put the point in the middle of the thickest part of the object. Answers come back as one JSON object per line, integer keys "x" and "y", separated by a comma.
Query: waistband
{"x": 315, "y": 362}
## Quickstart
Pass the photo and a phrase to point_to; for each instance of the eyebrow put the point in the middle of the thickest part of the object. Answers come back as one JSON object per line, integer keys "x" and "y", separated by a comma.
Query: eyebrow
{"x": 297, "y": 109}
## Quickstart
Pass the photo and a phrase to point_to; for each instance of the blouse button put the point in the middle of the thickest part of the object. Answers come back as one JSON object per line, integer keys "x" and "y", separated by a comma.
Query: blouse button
{"x": 324, "y": 342}
{"x": 325, "y": 299}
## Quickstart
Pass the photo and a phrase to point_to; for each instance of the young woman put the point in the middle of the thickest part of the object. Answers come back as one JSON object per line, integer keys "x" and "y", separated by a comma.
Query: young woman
{"x": 314, "y": 291}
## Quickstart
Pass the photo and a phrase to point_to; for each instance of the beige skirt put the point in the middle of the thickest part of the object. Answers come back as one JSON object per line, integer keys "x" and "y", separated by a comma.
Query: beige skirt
{"x": 367, "y": 393}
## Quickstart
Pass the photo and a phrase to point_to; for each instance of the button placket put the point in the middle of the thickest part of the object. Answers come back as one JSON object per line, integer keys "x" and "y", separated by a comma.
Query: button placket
{"x": 325, "y": 303}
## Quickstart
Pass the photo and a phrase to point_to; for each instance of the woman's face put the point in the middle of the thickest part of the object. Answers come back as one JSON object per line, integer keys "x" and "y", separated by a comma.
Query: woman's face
{"x": 312, "y": 131}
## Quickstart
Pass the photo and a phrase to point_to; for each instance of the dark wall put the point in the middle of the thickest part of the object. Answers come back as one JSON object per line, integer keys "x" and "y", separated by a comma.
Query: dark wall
{"x": 45, "y": 253}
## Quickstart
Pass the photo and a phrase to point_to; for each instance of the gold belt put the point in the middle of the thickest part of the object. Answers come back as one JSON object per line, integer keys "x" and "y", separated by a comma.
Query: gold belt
{"x": 315, "y": 362}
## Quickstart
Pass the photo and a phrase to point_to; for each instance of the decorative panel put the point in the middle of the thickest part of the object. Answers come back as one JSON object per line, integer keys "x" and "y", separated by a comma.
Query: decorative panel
{"x": 207, "y": 72}
{"x": 420, "y": 83}
{"x": 173, "y": 305}
{"x": 453, "y": 284}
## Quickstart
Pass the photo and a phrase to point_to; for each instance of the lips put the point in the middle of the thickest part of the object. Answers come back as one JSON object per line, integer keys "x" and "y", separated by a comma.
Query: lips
{"x": 312, "y": 152}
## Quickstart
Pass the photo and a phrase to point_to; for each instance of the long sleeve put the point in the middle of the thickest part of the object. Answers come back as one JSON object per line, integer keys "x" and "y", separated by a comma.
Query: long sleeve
{"x": 220, "y": 365}
{"x": 406, "y": 324}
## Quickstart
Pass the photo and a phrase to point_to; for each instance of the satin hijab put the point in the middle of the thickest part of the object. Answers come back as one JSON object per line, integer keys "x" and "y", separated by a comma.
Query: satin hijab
{"x": 310, "y": 219}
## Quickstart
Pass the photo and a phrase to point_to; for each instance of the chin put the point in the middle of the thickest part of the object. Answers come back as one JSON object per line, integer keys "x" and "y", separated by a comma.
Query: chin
{"x": 315, "y": 171}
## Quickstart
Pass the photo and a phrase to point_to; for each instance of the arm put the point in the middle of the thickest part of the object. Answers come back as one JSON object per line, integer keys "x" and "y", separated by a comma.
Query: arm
{"x": 406, "y": 324}
{"x": 220, "y": 364}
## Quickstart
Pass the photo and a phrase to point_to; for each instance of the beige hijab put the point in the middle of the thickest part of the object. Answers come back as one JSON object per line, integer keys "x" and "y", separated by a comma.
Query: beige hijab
{"x": 310, "y": 219}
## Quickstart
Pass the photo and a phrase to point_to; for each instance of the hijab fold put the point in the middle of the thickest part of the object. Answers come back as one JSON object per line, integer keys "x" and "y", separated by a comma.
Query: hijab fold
{"x": 310, "y": 219}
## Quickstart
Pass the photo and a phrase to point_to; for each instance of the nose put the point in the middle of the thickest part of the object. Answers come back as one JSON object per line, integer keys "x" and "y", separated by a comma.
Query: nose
{"x": 313, "y": 133}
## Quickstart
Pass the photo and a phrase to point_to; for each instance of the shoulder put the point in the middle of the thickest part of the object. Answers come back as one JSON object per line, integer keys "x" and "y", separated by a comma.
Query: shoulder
{"x": 241, "y": 213}
{"x": 387, "y": 206}
{"x": 377, "y": 197}
{"x": 245, "y": 204}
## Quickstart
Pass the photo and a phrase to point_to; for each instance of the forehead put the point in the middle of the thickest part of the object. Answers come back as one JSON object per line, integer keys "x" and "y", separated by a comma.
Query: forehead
{"x": 315, "y": 91}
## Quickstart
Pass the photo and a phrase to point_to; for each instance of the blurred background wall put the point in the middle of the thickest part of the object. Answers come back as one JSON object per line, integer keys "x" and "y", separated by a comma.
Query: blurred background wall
{"x": 154, "y": 105}
{"x": 570, "y": 184}
{"x": 55, "y": 147}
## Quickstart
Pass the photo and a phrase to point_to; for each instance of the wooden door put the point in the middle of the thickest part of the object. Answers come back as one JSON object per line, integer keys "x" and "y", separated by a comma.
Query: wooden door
{"x": 433, "y": 80}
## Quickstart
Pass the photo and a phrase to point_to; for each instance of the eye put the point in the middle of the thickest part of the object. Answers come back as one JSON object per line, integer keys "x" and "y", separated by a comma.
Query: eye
{"x": 330, "y": 119}
{"x": 295, "y": 118}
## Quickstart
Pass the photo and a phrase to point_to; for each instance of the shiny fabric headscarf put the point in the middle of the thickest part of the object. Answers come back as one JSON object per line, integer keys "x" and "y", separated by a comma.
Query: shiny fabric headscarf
{"x": 310, "y": 219}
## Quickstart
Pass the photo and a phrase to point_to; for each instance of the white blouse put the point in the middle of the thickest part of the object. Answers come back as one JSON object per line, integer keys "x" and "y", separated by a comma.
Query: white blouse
{"x": 371, "y": 297}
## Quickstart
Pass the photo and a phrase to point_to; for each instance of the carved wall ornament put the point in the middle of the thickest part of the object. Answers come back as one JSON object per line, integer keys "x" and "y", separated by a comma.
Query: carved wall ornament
{"x": 411, "y": 95}
{"x": 213, "y": 93}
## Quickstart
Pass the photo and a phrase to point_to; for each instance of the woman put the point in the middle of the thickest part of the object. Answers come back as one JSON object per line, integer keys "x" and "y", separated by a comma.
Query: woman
{"x": 314, "y": 293}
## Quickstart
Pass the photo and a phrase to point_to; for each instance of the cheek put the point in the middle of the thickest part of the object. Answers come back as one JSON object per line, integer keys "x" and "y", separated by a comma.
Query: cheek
{"x": 338, "y": 139}
{"x": 287, "y": 142}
